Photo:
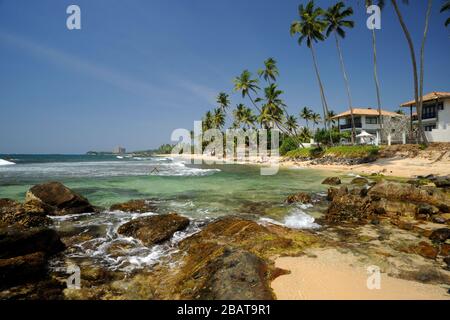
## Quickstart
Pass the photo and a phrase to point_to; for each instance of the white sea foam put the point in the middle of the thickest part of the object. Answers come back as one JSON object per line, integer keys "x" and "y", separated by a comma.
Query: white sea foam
{"x": 300, "y": 220}
{"x": 297, "y": 219}
{"x": 60, "y": 170}
{"x": 5, "y": 163}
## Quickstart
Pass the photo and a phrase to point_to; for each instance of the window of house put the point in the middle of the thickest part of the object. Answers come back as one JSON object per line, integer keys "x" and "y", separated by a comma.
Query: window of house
{"x": 429, "y": 111}
{"x": 429, "y": 127}
{"x": 371, "y": 120}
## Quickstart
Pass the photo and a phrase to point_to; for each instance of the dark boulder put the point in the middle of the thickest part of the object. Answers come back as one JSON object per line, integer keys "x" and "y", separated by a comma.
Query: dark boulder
{"x": 135, "y": 206}
{"x": 20, "y": 269}
{"x": 154, "y": 229}
{"x": 440, "y": 235}
{"x": 236, "y": 275}
{"x": 60, "y": 199}
{"x": 301, "y": 197}
{"x": 18, "y": 241}
{"x": 333, "y": 181}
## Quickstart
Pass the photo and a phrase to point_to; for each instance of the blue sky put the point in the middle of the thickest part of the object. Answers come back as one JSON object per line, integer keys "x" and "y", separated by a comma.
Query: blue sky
{"x": 139, "y": 69}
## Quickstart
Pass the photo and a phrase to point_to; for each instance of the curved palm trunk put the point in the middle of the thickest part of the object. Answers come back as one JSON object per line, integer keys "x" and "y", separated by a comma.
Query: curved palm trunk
{"x": 347, "y": 85}
{"x": 422, "y": 53}
{"x": 322, "y": 92}
{"x": 422, "y": 136}
{"x": 377, "y": 83}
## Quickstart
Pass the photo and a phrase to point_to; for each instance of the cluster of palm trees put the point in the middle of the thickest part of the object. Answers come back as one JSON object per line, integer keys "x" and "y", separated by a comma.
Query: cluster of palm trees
{"x": 314, "y": 25}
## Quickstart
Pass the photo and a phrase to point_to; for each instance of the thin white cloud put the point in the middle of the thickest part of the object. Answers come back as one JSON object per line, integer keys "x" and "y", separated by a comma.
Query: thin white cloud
{"x": 68, "y": 61}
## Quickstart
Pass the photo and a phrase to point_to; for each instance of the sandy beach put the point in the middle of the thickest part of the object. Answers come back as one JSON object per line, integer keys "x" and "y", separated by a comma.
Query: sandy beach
{"x": 332, "y": 275}
{"x": 396, "y": 167}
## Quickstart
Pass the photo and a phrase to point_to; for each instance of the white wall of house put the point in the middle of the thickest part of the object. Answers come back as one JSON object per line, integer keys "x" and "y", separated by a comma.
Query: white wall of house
{"x": 444, "y": 116}
{"x": 442, "y": 131}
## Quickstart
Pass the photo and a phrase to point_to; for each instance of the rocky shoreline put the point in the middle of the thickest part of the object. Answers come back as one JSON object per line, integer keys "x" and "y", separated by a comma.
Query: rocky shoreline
{"x": 404, "y": 227}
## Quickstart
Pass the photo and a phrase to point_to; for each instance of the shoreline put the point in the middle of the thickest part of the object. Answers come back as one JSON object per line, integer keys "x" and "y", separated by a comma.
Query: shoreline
{"x": 393, "y": 167}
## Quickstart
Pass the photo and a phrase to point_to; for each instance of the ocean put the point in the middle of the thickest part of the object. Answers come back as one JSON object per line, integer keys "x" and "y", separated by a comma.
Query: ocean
{"x": 200, "y": 192}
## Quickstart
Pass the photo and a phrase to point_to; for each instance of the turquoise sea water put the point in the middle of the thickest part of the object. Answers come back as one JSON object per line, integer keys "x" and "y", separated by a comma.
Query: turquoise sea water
{"x": 200, "y": 192}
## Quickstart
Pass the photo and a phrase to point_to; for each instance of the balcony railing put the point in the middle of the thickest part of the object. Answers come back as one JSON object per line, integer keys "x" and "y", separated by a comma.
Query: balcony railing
{"x": 348, "y": 126}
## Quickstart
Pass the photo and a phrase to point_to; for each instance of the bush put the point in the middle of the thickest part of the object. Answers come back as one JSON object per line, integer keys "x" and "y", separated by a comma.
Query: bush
{"x": 288, "y": 144}
{"x": 351, "y": 152}
{"x": 305, "y": 153}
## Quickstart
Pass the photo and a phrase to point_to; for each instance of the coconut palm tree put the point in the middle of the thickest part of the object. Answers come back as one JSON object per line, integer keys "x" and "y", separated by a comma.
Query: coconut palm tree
{"x": 446, "y": 7}
{"x": 218, "y": 119}
{"x": 291, "y": 124}
{"x": 305, "y": 134}
{"x": 310, "y": 28}
{"x": 330, "y": 115}
{"x": 380, "y": 4}
{"x": 316, "y": 119}
{"x": 337, "y": 18}
{"x": 223, "y": 100}
{"x": 244, "y": 116}
{"x": 207, "y": 121}
{"x": 270, "y": 71}
{"x": 246, "y": 85}
{"x": 306, "y": 114}
{"x": 418, "y": 84}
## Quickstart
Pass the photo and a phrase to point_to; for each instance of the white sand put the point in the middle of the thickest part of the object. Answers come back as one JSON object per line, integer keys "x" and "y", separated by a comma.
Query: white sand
{"x": 337, "y": 276}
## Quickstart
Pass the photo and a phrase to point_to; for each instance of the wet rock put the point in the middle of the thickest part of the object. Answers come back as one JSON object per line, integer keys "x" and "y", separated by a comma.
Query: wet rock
{"x": 426, "y": 209}
{"x": 236, "y": 275}
{"x": 228, "y": 259}
{"x": 20, "y": 269}
{"x": 32, "y": 214}
{"x": 440, "y": 235}
{"x": 18, "y": 241}
{"x": 408, "y": 193}
{"x": 347, "y": 206}
{"x": 136, "y": 206}
{"x": 447, "y": 262}
{"x": 332, "y": 181}
{"x": 60, "y": 199}
{"x": 442, "y": 182}
{"x": 360, "y": 181}
{"x": 332, "y": 192}
{"x": 425, "y": 250}
{"x": 154, "y": 229}
{"x": 301, "y": 197}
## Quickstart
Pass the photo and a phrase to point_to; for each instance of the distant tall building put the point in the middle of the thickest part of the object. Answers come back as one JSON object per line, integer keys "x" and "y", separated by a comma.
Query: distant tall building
{"x": 119, "y": 150}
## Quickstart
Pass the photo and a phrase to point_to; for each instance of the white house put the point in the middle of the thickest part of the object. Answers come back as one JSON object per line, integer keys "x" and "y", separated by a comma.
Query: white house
{"x": 435, "y": 115}
{"x": 366, "y": 119}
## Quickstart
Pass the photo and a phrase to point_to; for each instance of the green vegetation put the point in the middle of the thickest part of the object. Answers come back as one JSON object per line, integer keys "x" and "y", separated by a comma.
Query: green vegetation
{"x": 299, "y": 153}
{"x": 346, "y": 152}
{"x": 351, "y": 152}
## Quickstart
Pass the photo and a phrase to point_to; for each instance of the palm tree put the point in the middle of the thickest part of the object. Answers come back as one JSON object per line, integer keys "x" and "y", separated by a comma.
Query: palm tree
{"x": 207, "y": 121}
{"x": 310, "y": 27}
{"x": 223, "y": 100}
{"x": 336, "y": 17}
{"x": 380, "y": 4}
{"x": 245, "y": 84}
{"x": 244, "y": 115}
{"x": 306, "y": 114}
{"x": 330, "y": 115}
{"x": 291, "y": 124}
{"x": 446, "y": 7}
{"x": 270, "y": 71}
{"x": 418, "y": 86}
{"x": 218, "y": 119}
{"x": 316, "y": 119}
{"x": 305, "y": 134}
